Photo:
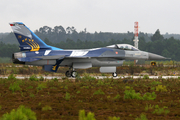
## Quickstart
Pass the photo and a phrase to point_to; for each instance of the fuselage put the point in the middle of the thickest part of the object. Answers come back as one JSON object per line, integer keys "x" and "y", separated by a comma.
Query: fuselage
{"x": 97, "y": 57}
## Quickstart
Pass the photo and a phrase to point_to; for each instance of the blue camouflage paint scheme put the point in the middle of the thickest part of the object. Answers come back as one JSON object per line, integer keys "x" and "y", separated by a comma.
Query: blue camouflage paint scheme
{"x": 34, "y": 55}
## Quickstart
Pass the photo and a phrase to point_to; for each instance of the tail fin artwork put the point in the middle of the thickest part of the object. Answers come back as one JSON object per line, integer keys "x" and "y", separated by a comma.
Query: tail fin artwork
{"x": 28, "y": 40}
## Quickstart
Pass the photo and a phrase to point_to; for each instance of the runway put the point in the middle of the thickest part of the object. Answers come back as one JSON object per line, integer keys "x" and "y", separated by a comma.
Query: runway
{"x": 97, "y": 77}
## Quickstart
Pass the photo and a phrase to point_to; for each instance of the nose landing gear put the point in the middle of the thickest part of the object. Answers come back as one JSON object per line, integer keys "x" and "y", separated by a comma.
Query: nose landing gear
{"x": 114, "y": 74}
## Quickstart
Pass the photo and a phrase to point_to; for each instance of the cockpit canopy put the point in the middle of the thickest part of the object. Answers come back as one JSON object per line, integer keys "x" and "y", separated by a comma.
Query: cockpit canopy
{"x": 124, "y": 47}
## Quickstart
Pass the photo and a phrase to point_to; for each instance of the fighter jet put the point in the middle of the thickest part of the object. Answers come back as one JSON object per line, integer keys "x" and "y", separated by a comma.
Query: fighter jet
{"x": 35, "y": 52}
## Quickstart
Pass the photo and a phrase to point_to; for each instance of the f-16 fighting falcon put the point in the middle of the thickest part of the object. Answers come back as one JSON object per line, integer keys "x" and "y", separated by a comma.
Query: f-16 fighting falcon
{"x": 36, "y": 52}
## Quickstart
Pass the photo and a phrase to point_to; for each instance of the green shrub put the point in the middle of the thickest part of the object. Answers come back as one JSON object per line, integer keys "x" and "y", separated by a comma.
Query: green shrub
{"x": 153, "y": 88}
{"x": 161, "y": 88}
{"x": 127, "y": 87}
{"x": 149, "y": 96}
{"x": 22, "y": 113}
{"x": 108, "y": 96}
{"x": 66, "y": 87}
{"x": 98, "y": 92}
{"x": 30, "y": 87}
{"x": 159, "y": 110}
{"x": 103, "y": 74}
{"x": 41, "y": 78}
{"x": 117, "y": 97}
{"x": 39, "y": 104}
{"x": 55, "y": 79}
{"x": 33, "y": 78}
{"x": 46, "y": 108}
{"x": 100, "y": 82}
{"x": 53, "y": 88}
{"x": 149, "y": 107}
{"x": 78, "y": 92}
{"x": 67, "y": 96}
{"x": 11, "y": 77}
{"x": 131, "y": 94}
{"x": 87, "y": 77}
{"x": 82, "y": 116}
{"x": 142, "y": 117}
{"x": 155, "y": 83}
{"x": 87, "y": 87}
{"x": 146, "y": 77}
{"x": 31, "y": 95}
{"x": 114, "y": 118}
{"x": 41, "y": 86}
{"x": 14, "y": 87}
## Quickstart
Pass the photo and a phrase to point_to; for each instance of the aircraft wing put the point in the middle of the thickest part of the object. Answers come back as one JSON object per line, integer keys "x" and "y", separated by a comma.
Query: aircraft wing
{"x": 101, "y": 56}
{"x": 28, "y": 59}
{"x": 52, "y": 57}
{"x": 31, "y": 59}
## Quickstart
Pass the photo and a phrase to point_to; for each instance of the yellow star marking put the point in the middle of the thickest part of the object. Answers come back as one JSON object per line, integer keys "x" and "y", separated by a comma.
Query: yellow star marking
{"x": 25, "y": 39}
{"x": 20, "y": 36}
{"x": 54, "y": 67}
{"x": 29, "y": 39}
{"x": 32, "y": 40}
{"x": 22, "y": 40}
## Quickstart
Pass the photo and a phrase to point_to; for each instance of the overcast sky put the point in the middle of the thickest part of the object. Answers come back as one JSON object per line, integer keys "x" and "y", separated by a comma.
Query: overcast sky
{"x": 94, "y": 15}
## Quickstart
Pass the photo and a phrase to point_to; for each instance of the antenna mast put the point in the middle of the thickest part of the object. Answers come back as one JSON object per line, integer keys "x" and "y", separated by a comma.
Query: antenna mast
{"x": 136, "y": 34}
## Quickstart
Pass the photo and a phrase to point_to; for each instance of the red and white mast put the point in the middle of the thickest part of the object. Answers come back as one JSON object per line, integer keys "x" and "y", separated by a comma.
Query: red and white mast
{"x": 136, "y": 34}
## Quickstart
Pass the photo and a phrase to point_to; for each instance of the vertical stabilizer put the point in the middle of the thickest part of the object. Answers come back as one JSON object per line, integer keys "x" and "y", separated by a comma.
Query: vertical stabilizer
{"x": 27, "y": 39}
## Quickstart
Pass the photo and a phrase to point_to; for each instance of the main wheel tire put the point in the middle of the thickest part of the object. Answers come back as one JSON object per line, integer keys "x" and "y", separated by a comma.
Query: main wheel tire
{"x": 73, "y": 74}
{"x": 68, "y": 74}
{"x": 114, "y": 74}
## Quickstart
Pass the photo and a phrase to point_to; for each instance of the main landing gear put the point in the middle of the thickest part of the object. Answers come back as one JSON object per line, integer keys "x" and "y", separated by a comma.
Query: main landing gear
{"x": 71, "y": 73}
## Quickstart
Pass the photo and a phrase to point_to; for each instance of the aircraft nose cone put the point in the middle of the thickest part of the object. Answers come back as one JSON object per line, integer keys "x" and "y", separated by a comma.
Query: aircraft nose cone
{"x": 155, "y": 57}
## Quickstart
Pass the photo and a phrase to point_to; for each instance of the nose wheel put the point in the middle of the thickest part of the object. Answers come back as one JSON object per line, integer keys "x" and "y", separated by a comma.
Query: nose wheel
{"x": 114, "y": 74}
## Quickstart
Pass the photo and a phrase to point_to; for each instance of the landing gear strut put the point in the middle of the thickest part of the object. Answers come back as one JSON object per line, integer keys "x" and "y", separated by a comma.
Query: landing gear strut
{"x": 71, "y": 73}
{"x": 114, "y": 74}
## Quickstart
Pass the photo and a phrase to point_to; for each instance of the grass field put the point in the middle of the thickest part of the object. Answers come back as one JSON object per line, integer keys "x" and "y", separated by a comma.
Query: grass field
{"x": 123, "y": 98}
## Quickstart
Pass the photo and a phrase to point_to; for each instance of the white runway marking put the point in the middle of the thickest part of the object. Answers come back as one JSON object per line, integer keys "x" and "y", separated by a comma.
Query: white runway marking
{"x": 97, "y": 77}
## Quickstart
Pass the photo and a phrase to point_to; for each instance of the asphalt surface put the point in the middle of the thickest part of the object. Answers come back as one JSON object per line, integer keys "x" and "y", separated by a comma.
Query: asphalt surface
{"x": 97, "y": 77}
